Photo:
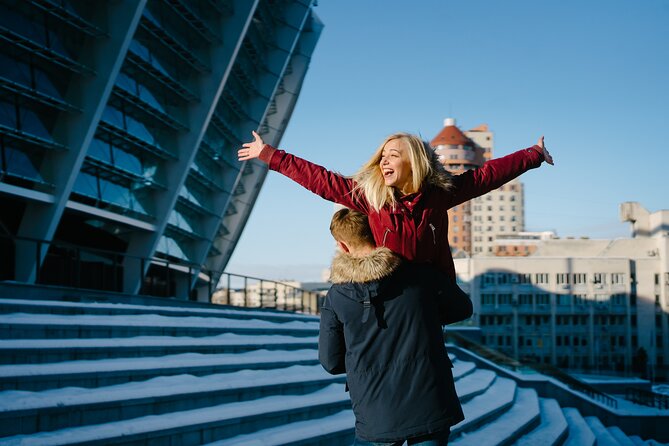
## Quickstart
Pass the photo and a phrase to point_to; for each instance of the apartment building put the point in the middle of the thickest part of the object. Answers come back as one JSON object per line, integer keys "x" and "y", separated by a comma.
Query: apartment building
{"x": 580, "y": 304}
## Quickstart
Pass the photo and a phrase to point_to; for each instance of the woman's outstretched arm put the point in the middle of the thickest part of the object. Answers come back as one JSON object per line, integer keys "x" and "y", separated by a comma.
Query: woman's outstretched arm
{"x": 324, "y": 183}
{"x": 496, "y": 172}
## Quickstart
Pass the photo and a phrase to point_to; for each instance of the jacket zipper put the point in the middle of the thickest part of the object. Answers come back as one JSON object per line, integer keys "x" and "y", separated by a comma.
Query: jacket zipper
{"x": 384, "y": 237}
{"x": 434, "y": 233}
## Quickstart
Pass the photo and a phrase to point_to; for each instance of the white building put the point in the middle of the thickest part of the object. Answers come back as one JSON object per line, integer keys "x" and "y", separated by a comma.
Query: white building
{"x": 498, "y": 213}
{"x": 577, "y": 303}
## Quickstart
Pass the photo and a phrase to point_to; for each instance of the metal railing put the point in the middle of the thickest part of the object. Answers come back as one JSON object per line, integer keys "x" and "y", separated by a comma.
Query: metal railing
{"x": 67, "y": 264}
{"x": 647, "y": 398}
{"x": 254, "y": 292}
{"x": 515, "y": 365}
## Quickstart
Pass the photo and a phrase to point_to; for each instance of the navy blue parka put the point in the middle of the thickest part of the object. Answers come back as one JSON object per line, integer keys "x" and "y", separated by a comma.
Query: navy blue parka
{"x": 381, "y": 325}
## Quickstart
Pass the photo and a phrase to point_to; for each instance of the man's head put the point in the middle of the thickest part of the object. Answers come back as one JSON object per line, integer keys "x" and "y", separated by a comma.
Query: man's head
{"x": 351, "y": 231}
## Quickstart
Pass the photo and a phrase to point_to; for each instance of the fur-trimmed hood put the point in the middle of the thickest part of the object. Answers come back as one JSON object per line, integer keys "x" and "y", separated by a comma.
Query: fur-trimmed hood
{"x": 349, "y": 269}
{"x": 439, "y": 177}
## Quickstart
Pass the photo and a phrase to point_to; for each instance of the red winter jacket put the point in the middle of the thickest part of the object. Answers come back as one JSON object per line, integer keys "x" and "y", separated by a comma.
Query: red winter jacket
{"x": 417, "y": 228}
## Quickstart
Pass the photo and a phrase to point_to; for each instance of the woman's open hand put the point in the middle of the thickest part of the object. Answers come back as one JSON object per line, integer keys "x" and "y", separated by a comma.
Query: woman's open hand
{"x": 251, "y": 150}
{"x": 544, "y": 150}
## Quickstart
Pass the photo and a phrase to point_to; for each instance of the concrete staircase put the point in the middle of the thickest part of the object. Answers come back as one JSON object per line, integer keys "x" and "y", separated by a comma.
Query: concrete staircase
{"x": 105, "y": 374}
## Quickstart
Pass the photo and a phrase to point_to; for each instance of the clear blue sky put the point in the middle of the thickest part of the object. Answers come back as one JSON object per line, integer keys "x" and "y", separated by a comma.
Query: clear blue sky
{"x": 592, "y": 76}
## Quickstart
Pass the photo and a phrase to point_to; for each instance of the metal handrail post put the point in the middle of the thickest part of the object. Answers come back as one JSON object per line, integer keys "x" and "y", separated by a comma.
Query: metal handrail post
{"x": 38, "y": 252}
{"x": 246, "y": 292}
{"x": 228, "y": 291}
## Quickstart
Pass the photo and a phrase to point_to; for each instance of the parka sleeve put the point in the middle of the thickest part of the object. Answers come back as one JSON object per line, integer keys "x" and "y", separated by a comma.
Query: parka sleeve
{"x": 317, "y": 179}
{"x": 454, "y": 304}
{"x": 331, "y": 344}
{"x": 493, "y": 174}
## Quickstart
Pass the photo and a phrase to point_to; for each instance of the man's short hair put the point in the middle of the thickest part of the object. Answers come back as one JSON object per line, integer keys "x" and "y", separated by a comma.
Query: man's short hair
{"x": 351, "y": 227}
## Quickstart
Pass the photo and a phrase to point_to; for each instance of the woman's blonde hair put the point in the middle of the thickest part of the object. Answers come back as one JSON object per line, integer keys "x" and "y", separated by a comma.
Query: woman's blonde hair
{"x": 369, "y": 179}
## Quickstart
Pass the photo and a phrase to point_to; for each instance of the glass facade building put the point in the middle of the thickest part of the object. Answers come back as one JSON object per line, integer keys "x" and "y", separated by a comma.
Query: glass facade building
{"x": 119, "y": 127}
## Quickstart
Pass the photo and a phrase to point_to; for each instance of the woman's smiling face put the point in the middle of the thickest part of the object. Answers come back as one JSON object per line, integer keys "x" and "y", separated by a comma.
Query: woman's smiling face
{"x": 396, "y": 166}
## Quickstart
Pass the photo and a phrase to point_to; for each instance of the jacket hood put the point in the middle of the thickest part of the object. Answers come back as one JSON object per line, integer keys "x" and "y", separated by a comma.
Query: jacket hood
{"x": 439, "y": 176}
{"x": 349, "y": 269}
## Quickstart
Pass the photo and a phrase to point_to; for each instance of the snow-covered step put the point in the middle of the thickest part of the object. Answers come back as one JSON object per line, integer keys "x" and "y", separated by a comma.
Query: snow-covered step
{"x": 55, "y": 326}
{"x": 462, "y": 369}
{"x": 637, "y": 440}
{"x": 487, "y": 406}
{"x": 474, "y": 384}
{"x": 29, "y": 412}
{"x": 620, "y": 436}
{"x": 505, "y": 429}
{"x": 337, "y": 429}
{"x": 604, "y": 438}
{"x": 199, "y": 426}
{"x": 106, "y": 372}
{"x": 580, "y": 433}
{"x": 108, "y": 308}
{"x": 36, "y": 351}
{"x": 553, "y": 428}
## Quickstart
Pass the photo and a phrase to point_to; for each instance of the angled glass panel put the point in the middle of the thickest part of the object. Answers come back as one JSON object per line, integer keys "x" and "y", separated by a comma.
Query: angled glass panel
{"x": 21, "y": 164}
{"x": 31, "y": 123}
{"x": 87, "y": 185}
{"x": 170, "y": 247}
{"x": 8, "y": 114}
{"x": 100, "y": 150}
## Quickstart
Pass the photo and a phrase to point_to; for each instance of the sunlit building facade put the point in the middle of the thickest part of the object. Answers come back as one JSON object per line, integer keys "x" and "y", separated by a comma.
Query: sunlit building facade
{"x": 580, "y": 304}
{"x": 119, "y": 127}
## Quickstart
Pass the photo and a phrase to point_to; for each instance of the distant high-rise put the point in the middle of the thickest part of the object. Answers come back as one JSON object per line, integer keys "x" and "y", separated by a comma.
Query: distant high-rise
{"x": 119, "y": 127}
{"x": 458, "y": 153}
{"x": 474, "y": 225}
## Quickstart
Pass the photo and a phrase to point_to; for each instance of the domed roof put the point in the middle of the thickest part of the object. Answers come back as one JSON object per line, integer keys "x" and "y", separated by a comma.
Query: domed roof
{"x": 450, "y": 135}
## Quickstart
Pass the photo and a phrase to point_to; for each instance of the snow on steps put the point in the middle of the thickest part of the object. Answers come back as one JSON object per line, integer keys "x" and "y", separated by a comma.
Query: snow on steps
{"x": 44, "y": 326}
{"x": 35, "y": 351}
{"x": 580, "y": 433}
{"x": 76, "y": 308}
{"x": 335, "y": 429}
{"x": 485, "y": 407}
{"x": 107, "y": 372}
{"x": 620, "y": 436}
{"x": 474, "y": 384}
{"x": 553, "y": 428}
{"x": 199, "y": 426}
{"x": 28, "y": 412}
{"x": 256, "y": 381}
{"x": 604, "y": 438}
{"x": 521, "y": 417}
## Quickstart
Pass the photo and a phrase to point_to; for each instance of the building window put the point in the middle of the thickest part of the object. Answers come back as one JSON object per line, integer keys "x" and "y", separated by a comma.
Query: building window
{"x": 599, "y": 278}
{"x": 525, "y": 299}
{"x": 579, "y": 278}
{"x": 617, "y": 278}
{"x": 512, "y": 198}
{"x": 562, "y": 278}
{"x": 524, "y": 278}
{"x": 543, "y": 299}
{"x": 504, "y": 299}
{"x": 580, "y": 299}
{"x": 563, "y": 300}
{"x": 541, "y": 278}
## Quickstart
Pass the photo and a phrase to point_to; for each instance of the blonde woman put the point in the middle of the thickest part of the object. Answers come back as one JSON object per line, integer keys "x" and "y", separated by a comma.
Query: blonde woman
{"x": 403, "y": 189}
